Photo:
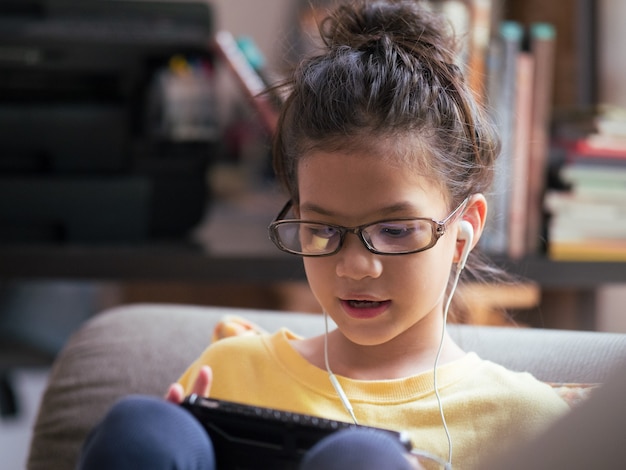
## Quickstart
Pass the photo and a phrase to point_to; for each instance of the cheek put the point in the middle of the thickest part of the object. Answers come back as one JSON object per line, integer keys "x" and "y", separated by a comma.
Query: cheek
{"x": 320, "y": 273}
{"x": 414, "y": 276}
{"x": 425, "y": 274}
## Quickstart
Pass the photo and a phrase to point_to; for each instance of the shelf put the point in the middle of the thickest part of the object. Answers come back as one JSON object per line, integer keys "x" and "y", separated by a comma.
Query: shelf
{"x": 153, "y": 262}
{"x": 566, "y": 274}
{"x": 179, "y": 262}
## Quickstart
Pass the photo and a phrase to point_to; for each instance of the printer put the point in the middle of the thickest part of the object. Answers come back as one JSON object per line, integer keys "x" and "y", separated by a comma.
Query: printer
{"x": 107, "y": 119}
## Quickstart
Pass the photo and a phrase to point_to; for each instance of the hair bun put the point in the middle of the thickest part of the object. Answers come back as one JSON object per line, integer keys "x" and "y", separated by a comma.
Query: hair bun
{"x": 390, "y": 21}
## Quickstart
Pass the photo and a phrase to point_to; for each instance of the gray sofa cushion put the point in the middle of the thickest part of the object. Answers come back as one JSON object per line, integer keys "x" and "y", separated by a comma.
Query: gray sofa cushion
{"x": 143, "y": 348}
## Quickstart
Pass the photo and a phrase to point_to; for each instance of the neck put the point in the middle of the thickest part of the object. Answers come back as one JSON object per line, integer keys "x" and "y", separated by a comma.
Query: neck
{"x": 392, "y": 360}
{"x": 411, "y": 353}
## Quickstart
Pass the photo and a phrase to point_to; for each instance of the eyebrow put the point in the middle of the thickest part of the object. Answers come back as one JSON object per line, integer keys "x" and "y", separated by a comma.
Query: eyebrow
{"x": 390, "y": 210}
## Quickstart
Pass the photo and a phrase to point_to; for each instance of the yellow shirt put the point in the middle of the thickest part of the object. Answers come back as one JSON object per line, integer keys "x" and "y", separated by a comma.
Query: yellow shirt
{"x": 486, "y": 406}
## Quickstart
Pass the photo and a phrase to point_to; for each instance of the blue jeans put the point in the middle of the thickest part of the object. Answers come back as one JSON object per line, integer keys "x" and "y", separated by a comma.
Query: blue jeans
{"x": 149, "y": 433}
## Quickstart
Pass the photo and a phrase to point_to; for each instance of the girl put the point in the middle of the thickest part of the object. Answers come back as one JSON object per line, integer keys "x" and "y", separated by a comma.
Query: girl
{"x": 385, "y": 156}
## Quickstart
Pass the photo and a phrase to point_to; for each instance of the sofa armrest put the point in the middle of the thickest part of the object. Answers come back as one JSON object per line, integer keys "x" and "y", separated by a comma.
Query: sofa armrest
{"x": 130, "y": 349}
{"x": 556, "y": 356}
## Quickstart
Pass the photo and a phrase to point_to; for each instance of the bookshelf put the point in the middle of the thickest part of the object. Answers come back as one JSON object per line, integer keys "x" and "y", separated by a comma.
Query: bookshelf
{"x": 183, "y": 262}
{"x": 578, "y": 85}
{"x": 576, "y": 64}
{"x": 545, "y": 117}
{"x": 567, "y": 289}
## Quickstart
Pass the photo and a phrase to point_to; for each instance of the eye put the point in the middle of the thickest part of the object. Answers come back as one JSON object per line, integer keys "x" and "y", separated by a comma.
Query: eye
{"x": 318, "y": 238}
{"x": 397, "y": 236}
{"x": 396, "y": 229}
{"x": 321, "y": 231}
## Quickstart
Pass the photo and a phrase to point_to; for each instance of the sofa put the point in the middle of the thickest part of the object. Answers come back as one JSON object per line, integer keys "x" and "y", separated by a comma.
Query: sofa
{"x": 142, "y": 348}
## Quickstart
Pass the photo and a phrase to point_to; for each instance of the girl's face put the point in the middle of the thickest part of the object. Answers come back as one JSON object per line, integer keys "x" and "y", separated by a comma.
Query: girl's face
{"x": 375, "y": 299}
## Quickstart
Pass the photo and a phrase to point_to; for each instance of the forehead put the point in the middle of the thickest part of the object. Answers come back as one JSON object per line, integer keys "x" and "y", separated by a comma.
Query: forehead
{"x": 364, "y": 185}
{"x": 405, "y": 151}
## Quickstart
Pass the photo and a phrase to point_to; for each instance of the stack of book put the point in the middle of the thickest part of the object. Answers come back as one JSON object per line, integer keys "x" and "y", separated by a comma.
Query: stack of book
{"x": 588, "y": 221}
{"x": 520, "y": 89}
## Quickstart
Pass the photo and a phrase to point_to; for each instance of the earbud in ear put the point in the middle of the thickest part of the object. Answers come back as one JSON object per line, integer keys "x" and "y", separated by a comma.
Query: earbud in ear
{"x": 466, "y": 232}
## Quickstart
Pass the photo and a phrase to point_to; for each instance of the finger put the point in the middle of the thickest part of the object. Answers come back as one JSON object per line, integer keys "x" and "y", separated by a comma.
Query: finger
{"x": 202, "y": 385}
{"x": 175, "y": 393}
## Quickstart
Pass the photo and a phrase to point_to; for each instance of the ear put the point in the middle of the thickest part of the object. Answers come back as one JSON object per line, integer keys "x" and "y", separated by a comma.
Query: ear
{"x": 472, "y": 223}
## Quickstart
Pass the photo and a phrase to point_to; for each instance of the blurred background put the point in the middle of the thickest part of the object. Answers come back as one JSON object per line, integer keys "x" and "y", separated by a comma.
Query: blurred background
{"x": 135, "y": 165}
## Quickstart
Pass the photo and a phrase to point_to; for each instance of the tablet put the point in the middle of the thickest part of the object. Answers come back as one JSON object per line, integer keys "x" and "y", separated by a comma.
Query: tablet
{"x": 250, "y": 437}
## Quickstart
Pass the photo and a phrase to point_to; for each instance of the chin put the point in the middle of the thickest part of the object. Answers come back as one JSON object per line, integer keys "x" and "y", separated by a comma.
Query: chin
{"x": 368, "y": 335}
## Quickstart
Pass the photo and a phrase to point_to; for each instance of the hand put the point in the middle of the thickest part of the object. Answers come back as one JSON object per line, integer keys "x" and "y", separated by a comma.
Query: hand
{"x": 202, "y": 386}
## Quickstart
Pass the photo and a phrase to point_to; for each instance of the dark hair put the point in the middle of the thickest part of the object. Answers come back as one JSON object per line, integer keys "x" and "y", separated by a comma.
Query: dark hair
{"x": 387, "y": 71}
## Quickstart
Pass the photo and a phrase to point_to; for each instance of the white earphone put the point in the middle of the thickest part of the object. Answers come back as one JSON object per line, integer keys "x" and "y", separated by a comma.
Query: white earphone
{"x": 466, "y": 233}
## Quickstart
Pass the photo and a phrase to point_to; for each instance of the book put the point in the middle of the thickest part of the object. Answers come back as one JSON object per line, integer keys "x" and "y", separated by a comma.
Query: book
{"x": 478, "y": 48}
{"x": 611, "y": 122}
{"x": 474, "y": 23}
{"x": 595, "y": 148}
{"x": 605, "y": 144}
{"x": 248, "y": 78}
{"x": 257, "y": 61}
{"x": 614, "y": 144}
{"x": 588, "y": 221}
{"x": 518, "y": 206}
{"x": 584, "y": 174}
{"x": 589, "y": 250}
{"x": 543, "y": 47}
{"x": 589, "y": 229}
{"x": 502, "y": 101}
{"x": 581, "y": 213}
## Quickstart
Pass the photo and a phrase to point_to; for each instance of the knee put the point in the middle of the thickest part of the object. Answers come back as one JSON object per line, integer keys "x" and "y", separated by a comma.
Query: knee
{"x": 147, "y": 432}
{"x": 357, "y": 448}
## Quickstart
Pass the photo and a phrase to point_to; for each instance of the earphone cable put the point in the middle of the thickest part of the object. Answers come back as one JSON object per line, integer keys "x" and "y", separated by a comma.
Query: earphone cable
{"x": 333, "y": 380}
{"x": 346, "y": 402}
{"x": 444, "y": 330}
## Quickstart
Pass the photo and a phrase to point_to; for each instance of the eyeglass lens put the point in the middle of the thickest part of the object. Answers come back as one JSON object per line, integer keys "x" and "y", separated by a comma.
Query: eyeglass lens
{"x": 385, "y": 237}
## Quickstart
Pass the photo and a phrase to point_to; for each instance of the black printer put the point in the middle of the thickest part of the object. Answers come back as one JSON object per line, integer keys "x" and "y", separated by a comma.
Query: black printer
{"x": 107, "y": 119}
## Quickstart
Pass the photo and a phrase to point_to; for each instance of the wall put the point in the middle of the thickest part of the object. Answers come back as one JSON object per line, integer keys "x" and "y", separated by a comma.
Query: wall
{"x": 611, "y": 314}
{"x": 612, "y": 89}
{"x": 266, "y": 21}
{"x": 611, "y": 57}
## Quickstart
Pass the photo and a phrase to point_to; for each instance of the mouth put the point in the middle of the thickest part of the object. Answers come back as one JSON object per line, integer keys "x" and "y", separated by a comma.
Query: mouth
{"x": 363, "y": 303}
{"x": 363, "y": 309}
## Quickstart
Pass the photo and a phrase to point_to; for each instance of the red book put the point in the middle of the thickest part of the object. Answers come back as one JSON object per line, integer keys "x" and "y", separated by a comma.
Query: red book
{"x": 599, "y": 147}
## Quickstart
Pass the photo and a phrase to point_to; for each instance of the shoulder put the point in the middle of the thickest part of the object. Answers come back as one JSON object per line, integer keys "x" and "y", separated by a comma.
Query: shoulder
{"x": 507, "y": 406}
{"x": 502, "y": 397}
{"x": 500, "y": 391}
{"x": 246, "y": 348}
{"x": 510, "y": 377}
{"x": 241, "y": 346}
{"x": 239, "y": 343}
{"x": 497, "y": 379}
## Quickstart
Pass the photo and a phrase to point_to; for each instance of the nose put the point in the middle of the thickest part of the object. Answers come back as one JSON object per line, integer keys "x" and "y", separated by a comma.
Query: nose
{"x": 355, "y": 261}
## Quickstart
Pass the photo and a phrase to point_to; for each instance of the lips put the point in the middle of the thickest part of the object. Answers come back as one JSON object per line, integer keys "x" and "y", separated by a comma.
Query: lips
{"x": 364, "y": 309}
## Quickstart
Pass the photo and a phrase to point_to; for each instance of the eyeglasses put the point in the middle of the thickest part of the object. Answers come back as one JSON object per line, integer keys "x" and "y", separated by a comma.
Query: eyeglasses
{"x": 385, "y": 237}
